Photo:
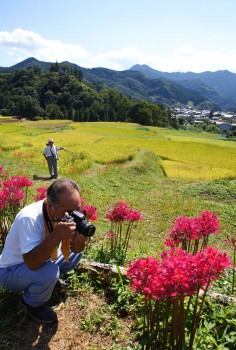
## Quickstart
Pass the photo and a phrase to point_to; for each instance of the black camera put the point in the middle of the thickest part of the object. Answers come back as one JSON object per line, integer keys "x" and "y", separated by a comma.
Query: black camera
{"x": 82, "y": 226}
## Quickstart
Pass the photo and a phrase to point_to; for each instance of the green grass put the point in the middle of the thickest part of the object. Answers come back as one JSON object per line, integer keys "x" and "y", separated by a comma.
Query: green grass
{"x": 140, "y": 181}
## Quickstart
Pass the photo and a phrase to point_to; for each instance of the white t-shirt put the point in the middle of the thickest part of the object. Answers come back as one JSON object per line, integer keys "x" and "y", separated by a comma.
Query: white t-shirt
{"x": 50, "y": 151}
{"x": 27, "y": 231}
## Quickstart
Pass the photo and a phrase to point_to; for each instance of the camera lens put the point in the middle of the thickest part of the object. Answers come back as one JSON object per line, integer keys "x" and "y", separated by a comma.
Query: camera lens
{"x": 85, "y": 228}
{"x": 90, "y": 231}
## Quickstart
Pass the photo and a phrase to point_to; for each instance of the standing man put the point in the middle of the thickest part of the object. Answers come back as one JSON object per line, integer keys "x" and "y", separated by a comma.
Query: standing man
{"x": 51, "y": 156}
{"x": 39, "y": 248}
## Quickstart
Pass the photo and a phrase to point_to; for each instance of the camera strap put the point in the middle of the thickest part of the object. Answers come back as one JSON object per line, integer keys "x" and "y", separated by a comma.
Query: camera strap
{"x": 65, "y": 245}
{"x": 46, "y": 218}
{"x": 53, "y": 153}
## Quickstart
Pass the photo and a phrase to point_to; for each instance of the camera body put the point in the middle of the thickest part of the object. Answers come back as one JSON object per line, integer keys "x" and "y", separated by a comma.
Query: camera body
{"x": 82, "y": 226}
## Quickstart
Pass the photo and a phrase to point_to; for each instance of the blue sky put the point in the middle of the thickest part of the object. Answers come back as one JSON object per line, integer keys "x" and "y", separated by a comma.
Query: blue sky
{"x": 167, "y": 35}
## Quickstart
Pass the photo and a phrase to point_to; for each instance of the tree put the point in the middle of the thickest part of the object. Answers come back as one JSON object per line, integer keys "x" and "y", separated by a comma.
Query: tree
{"x": 141, "y": 113}
{"x": 60, "y": 93}
{"x": 54, "y": 67}
{"x": 123, "y": 108}
{"x": 26, "y": 106}
{"x": 54, "y": 112}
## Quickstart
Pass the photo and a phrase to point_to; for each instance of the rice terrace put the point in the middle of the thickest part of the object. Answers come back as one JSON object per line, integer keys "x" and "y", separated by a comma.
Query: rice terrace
{"x": 179, "y": 188}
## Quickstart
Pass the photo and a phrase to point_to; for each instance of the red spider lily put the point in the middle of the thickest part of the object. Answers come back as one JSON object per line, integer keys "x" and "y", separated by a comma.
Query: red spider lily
{"x": 165, "y": 284}
{"x": 207, "y": 223}
{"x": 30, "y": 155}
{"x": 90, "y": 210}
{"x": 41, "y": 193}
{"x": 186, "y": 230}
{"x": 133, "y": 215}
{"x": 18, "y": 181}
{"x": 165, "y": 278}
{"x": 110, "y": 234}
{"x": 118, "y": 213}
{"x": 12, "y": 198}
{"x": 208, "y": 265}
{"x": 141, "y": 272}
{"x": 9, "y": 183}
{"x": 177, "y": 273}
{"x": 122, "y": 220}
{"x": 73, "y": 170}
{"x": 1, "y": 170}
{"x": 122, "y": 212}
{"x": 19, "y": 153}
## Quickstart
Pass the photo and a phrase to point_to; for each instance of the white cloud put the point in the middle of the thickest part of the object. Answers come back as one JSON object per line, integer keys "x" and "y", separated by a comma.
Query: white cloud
{"x": 20, "y": 39}
{"x": 185, "y": 51}
{"x": 190, "y": 59}
{"x": 24, "y": 43}
{"x": 186, "y": 58}
{"x": 118, "y": 59}
{"x": 21, "y": 44}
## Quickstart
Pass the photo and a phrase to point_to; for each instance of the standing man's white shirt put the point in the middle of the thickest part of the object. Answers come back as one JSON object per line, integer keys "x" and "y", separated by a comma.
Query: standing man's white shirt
{"x": 50, "y": 151}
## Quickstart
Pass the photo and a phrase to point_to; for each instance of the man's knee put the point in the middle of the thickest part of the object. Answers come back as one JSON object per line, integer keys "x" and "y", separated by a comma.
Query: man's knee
{"x": 65, "y": 266}
{"x": 50, "y": 271}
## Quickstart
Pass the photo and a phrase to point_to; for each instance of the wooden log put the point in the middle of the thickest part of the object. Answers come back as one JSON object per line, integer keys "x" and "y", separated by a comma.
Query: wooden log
{"x": 98, "y": 268}
{"x": 222, "y": 297}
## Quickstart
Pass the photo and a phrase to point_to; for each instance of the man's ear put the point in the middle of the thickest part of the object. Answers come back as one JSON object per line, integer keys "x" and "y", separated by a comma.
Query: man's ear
{"x": 49, "y": 205}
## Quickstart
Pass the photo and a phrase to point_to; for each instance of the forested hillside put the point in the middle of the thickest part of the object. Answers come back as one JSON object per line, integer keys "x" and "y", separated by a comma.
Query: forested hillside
{"x": 136, "y": 85}
{"x": 61, "y": 93}
{"x": 219, "y": 87}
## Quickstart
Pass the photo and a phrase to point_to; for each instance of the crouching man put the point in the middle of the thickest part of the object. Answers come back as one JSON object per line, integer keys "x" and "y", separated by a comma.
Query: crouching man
{"x": 39, "y": 248}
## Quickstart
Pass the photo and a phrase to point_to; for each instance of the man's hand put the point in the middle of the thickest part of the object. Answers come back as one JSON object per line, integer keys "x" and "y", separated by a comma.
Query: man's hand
{"x": 37, "y": 256}
{"x": 78, "y": 242}
{"x": 64, "y": 230}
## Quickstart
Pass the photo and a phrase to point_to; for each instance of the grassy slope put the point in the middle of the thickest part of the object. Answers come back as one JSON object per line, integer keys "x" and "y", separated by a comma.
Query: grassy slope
{"x": 142, "y": 184}
{"x": 139, "y": 182}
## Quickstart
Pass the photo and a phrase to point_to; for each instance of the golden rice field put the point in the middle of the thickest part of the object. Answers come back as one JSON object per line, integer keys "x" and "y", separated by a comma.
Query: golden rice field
{"x": 182, "y": 154}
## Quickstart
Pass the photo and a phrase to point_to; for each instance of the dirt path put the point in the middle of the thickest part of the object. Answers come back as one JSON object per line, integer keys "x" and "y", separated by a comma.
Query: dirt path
{"x": 84, "y": 323}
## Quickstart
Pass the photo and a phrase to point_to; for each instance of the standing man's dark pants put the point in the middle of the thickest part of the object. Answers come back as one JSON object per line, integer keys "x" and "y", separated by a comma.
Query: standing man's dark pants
{"x": 52, "y": 165}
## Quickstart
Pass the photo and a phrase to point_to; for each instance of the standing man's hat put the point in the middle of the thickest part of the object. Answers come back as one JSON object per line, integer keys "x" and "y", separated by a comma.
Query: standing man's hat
{"x": 50, "y": 140}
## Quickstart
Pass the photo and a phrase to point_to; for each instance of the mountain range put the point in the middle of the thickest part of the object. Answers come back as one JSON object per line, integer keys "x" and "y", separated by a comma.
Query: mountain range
{"x": 206, "y": 90}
